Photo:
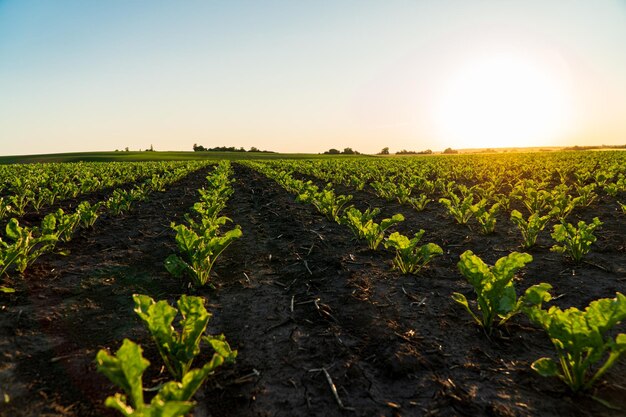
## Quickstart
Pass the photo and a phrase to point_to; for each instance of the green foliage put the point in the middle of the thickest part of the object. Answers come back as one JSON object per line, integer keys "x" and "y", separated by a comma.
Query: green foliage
{"x": 532, "y": 197}
{"x": 576, "y": 241}
{"x": 199, "y": 250}
{"x": 419, "y": 203}
{"x": 411, "y": 258}
{"x": 27, "y": 244}
{"x": 384, "y": 189}
{"x": 363, "y": 225}
{"x": 529, "y": 228}
{"x": 326, "y": 201}
{"x": 562, "y": 202}
{"x": 486, "y": 217}
{"x": 5, "y": 207}
{"x": 355, "y": 219}
{"x": 179, "y": 348}
{"x": 460, "y": 209}
{"x": 66, "y": 224}
{"x": 18, "y": 202}
{"x": 581, "y": 341}
{"x": 495, "y": 292}
{"x": 125, "y": 370}
{"x": 88, "y": 214}
{"x": 6, "y": 290}
{"x": 586, "y": 194}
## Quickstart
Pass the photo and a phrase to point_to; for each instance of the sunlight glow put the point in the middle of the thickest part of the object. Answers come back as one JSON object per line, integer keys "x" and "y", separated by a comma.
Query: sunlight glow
{"x": 503, "y": 100}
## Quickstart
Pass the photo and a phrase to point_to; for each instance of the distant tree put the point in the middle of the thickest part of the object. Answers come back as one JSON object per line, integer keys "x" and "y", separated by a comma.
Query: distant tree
{"x": 332, "y": 151}
{"x": 384, "y": 151}
{"x": 126, "y": 149}
{"x": 348, "y": 151}
{"x": 198, "y": 148}
{"x": 450, "y": 151}
{"x": 254, "y": 149}
{"x": 426, "y": 152}
{"x": 151, "y": 149}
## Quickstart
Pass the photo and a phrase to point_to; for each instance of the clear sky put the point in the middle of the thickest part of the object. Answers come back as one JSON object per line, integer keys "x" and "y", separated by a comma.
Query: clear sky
{"x": 305, "y": 76}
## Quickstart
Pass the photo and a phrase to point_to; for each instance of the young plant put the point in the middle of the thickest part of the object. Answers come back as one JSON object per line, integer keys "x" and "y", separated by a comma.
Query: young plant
{"x": 532, "y": 196}
{"x": 530, "y": 228}
{"x": 66, "y": 224}
{"x": 330, "y": 204}
{"x": 200, "y": 249}
{"x": 576, "y": 241}
{"x": 486, "y": 217}
{"x": 461, "y": 210}
{"x": 28, "y": 244}
{"x": 562, "y": 202}
{"x": 119, "y": 202}
{"x": 374, "y": 233}
{"x": 384, "y": 189}
{"x": 178, "y": 349}
{"x": 581, "y": 341}
{"x": 88, "y": 214}
{"x": 495, "y": 292}
{"x": 411, "y": 258}
{"x": 419, "y": 203}
{"x": 125, "y": 370}
{"x": 586, "y": 194}
{"x": 355, "y": 219}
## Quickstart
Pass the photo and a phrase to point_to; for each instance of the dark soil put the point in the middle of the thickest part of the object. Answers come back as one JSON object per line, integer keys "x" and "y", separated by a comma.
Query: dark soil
{"x": 308, "y": 308}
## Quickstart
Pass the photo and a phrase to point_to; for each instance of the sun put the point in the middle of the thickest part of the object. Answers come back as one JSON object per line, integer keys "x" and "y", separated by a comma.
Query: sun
{"x": 503, "y": 100}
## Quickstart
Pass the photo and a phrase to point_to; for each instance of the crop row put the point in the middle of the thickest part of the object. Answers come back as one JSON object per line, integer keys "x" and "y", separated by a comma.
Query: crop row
{"x": 22, "y": 245}
{"x": 482, "y": 204}
{"x": 200, "y": 242}
{"x": 584, "y": 348}
{"x": 32, "y": 187}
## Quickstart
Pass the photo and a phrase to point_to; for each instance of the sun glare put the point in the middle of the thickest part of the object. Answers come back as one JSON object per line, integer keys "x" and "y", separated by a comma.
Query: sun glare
{"x": 503, "y": 101}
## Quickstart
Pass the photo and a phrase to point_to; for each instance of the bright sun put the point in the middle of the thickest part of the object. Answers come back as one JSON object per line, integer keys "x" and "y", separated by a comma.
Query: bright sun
{"x": 503, "y": 101}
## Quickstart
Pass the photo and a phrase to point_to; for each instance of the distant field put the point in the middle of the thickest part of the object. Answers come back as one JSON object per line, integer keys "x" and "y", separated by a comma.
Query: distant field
{"x": 157, "y": 156}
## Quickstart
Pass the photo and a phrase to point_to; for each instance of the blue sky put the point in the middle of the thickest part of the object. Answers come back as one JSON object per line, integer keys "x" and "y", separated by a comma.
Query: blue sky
{"x": 296, "y": 76}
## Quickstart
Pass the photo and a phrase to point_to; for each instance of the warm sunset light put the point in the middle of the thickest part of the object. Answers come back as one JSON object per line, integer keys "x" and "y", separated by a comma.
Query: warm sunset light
{"x": 504, "y": 100}
{"x": 306, "y": 77}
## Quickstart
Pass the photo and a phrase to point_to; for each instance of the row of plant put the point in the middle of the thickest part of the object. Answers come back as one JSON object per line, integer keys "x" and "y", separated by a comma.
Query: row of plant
{"x": 25, "y": 188}
{"x": 584, "y": 346}
{"x": 200, "y": 242}
{"x": 481, "y": 204}
{"x": 410, "y": 255}
{"x": 22, "y": 245}
{"x": 564, "y": 181}
{"x": 179, "y": 349}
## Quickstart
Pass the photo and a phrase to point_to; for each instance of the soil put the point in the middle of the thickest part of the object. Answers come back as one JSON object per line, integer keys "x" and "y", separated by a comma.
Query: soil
{"x": 308, "y": 308}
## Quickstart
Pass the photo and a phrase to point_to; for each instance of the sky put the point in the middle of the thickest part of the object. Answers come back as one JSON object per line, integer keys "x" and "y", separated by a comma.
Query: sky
{"x": 306, "y": 76}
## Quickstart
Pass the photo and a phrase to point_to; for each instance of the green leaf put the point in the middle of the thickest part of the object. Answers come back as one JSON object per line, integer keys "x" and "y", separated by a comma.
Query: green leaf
{"x": 506, "y": 267}
{"x": 176, "y": 266}
{"x": 536, "y": 295}
{"x": 545, "y": 367}
{"x": 13, "y": 229}
{"x": 125, "y": 369}
{"x": 473, "y": 268}
{"x": 461, "y": 299}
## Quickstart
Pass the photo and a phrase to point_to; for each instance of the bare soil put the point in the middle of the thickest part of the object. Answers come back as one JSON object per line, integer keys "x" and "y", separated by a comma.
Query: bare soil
{"x": 308, "y": 308}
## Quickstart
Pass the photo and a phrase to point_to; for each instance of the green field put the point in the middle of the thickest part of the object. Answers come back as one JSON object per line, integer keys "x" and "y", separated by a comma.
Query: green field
{"x": 158, "y": 156}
